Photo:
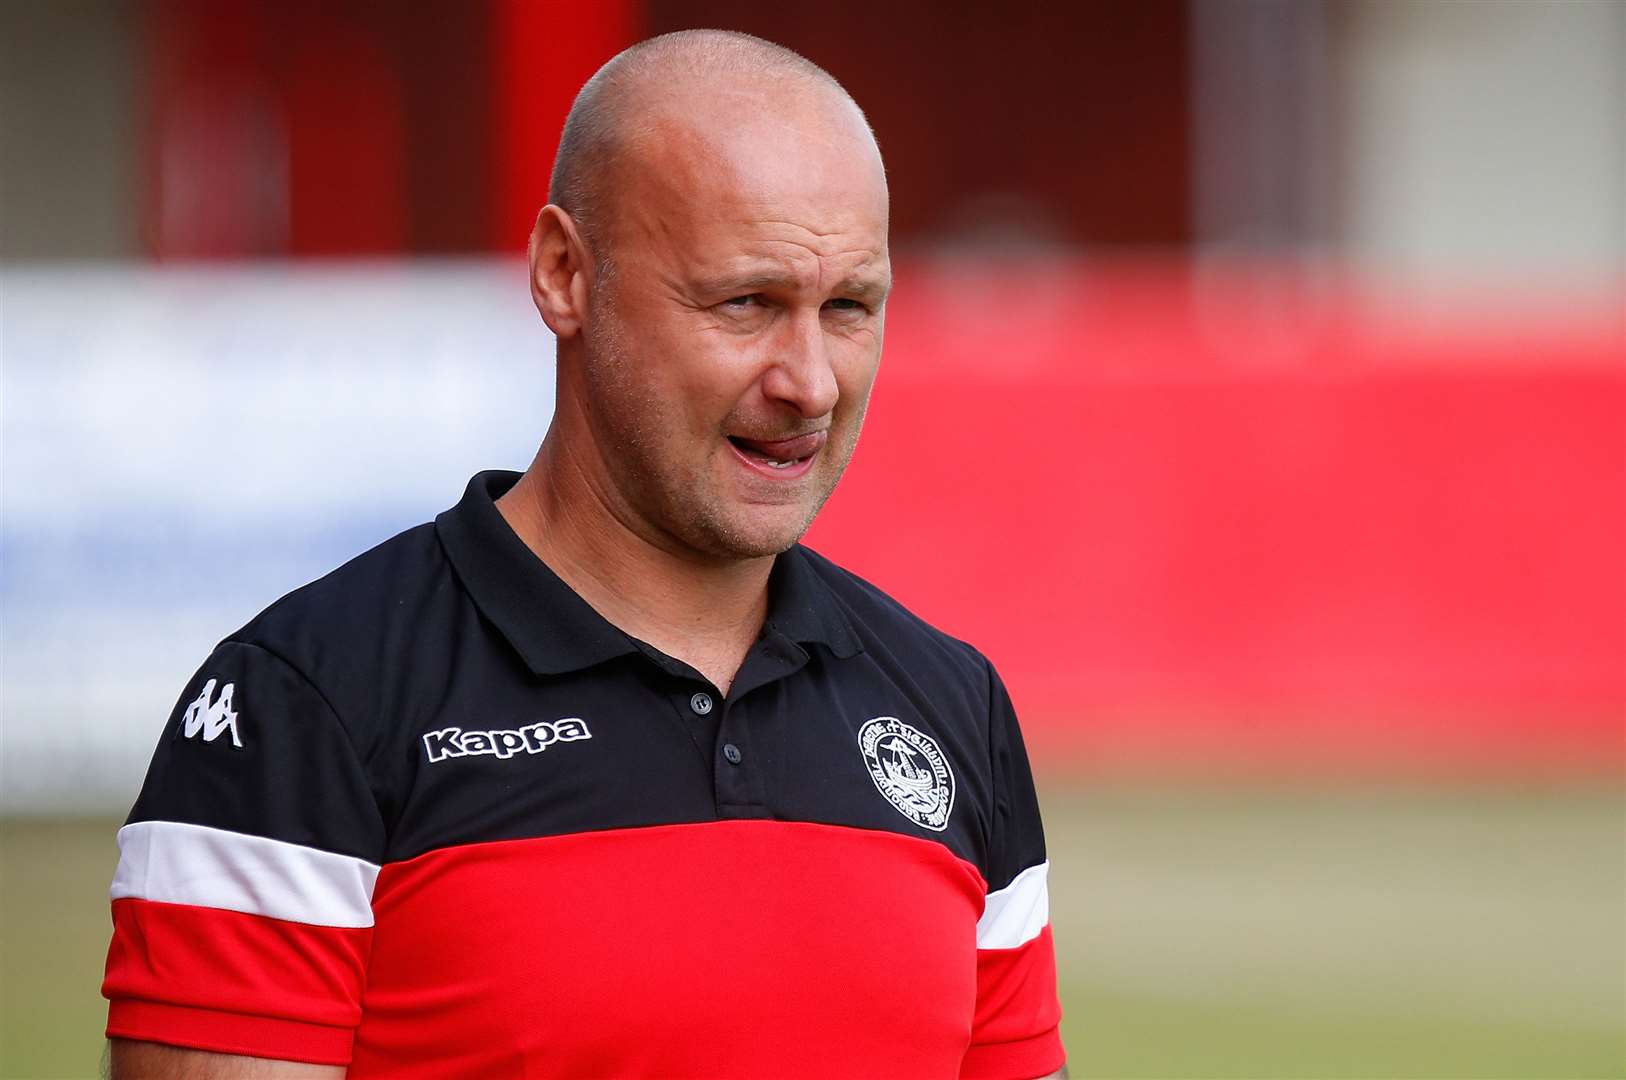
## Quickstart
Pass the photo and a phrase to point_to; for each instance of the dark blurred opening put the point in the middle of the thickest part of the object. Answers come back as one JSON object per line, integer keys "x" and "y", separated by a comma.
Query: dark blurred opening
{"x": 1058, "y": 123}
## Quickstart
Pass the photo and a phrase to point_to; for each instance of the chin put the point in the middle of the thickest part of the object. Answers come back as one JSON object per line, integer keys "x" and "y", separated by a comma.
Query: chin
{"x": 754, "y": 536}
{"x": 759, "y": 544}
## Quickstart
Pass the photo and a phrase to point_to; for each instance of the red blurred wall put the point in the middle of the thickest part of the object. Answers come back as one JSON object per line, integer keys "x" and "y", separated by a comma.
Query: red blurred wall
{"x": 1242, "y": 516}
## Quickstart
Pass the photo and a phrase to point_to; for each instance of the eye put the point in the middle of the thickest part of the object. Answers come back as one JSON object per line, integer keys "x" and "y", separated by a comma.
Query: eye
{"x": 740, "y": 303}
{"x": 845, "y": 303}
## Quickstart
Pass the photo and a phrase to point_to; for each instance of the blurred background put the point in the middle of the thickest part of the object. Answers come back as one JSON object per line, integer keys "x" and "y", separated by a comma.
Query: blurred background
{"x": 1254, "y": 396}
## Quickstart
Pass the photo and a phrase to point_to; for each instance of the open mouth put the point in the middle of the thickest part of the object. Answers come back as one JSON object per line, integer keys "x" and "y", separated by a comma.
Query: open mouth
{"x": 779, "y": 455}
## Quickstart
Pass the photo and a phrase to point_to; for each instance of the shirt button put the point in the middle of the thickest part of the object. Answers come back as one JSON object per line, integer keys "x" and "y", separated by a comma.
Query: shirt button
{"x": 701, "y": 704}
{"x": 732, "y": 753}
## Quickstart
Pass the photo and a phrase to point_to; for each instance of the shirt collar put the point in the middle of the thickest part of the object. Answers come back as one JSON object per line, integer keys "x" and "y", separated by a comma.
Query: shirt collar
{"x": 802, "y": 608}
{"x": 556, "y": 631}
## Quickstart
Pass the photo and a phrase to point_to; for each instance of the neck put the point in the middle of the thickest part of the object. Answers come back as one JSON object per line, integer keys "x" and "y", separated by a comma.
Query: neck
{"x": 705, "y": 612}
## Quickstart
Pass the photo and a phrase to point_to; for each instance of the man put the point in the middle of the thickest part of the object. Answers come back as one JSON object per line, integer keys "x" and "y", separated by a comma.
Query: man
{"x": 600, "y": 774}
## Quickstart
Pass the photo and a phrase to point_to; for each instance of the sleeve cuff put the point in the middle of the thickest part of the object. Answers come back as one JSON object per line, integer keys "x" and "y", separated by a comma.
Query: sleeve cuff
{"x": 1022, "y": 1059}
{"x": 229, "y": 1032}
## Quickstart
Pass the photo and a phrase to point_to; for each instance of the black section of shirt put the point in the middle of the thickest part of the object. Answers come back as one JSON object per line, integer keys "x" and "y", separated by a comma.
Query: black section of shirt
{"x": 447, "y": 688}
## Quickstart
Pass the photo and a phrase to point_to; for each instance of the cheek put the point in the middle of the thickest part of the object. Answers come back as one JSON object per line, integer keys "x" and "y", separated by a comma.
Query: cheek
{"x": 856, "y": 363}
{"x": 723, "y": 370}
{"x": 677, "y": 369}
{"x": 705, "y": 387}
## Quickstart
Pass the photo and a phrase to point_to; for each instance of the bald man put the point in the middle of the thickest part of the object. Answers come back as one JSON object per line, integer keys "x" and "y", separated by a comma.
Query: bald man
{"x": 602, "y": 773}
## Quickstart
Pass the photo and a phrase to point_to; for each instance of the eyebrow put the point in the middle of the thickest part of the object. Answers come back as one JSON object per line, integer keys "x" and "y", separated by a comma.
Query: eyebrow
{"x": 864, "y": 286}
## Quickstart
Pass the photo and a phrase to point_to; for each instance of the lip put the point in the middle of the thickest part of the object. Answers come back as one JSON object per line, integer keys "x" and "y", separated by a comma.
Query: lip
{"x": 804, "y": 449}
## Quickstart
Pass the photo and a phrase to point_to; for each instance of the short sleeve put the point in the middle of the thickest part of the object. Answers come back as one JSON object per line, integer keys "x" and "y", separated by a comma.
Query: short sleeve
{"x": 242, "y": 902}
{"x": 1015, "y": 1030}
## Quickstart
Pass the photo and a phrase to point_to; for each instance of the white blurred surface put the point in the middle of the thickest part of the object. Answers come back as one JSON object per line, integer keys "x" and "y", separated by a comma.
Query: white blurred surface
{"x": 182, "y": 446}
{"x": 1486, "y": 140}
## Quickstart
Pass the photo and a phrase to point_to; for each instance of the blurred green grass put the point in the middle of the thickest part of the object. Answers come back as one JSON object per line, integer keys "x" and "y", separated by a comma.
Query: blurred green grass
{"x": 1202, "y": 932}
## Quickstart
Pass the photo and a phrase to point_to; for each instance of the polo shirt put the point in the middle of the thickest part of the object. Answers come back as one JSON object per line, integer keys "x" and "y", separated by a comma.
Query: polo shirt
{"x": 432, "y": 815}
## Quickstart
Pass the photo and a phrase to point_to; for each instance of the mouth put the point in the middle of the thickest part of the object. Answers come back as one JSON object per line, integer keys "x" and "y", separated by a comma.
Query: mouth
{"x": 780, "y": 458}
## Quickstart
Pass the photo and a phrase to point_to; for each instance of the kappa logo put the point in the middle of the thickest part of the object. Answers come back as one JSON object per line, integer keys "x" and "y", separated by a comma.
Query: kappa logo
{"x": 454, "y": 742}
{"x": 211, "y": 717}
{"x": 908, "y": 768}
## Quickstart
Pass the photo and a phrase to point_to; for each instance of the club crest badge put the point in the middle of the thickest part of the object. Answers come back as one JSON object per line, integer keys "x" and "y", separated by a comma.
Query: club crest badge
{"x": 908, "y": 768}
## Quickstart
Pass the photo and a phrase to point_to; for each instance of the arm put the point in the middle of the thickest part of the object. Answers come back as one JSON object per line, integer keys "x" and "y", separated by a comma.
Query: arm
{"x": 1015, "y": 1028}
{"x": 131, "y": 1060}
{"x": 242, "y": 918}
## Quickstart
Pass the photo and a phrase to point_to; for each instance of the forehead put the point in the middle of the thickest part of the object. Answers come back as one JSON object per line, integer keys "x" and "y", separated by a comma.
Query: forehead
{"x": 744, "y": 175}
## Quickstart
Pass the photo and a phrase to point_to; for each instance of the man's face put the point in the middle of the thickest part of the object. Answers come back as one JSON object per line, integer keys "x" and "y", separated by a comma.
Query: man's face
{"x": 730, "y": 354}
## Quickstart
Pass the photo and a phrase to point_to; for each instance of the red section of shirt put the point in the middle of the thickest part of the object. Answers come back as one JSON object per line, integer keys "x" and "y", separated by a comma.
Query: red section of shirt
{"x": 233, "y": 982}
{"x": 1016, "y": 1028}
{"x": 727, "y": 949}
{"x": 724, "y": 949}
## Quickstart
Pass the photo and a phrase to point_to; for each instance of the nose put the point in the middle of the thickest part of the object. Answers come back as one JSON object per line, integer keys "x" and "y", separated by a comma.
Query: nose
{"x": 801, "y": 374}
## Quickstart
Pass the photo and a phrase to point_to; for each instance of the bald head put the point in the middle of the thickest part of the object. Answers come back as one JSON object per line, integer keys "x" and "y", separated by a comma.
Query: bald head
{"x": 684, "y": 76}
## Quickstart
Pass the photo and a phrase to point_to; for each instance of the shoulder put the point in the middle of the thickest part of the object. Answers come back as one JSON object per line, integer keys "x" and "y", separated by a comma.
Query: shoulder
{"x": 362, "y": 596}
{"x": 353, "y": 633}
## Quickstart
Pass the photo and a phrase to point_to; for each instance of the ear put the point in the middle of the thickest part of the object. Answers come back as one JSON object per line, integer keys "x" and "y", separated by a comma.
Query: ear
{"x": 559, "y": 272}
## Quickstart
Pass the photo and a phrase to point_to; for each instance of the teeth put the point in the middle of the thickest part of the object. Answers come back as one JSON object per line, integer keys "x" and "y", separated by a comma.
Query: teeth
{"x": 772, "y": 463}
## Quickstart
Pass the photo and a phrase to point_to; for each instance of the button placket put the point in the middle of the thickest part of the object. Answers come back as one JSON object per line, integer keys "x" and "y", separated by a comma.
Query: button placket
{"x": 738, "y": 788}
